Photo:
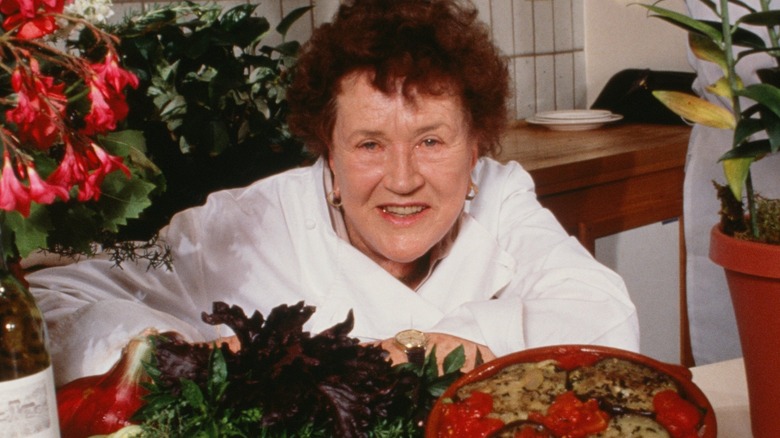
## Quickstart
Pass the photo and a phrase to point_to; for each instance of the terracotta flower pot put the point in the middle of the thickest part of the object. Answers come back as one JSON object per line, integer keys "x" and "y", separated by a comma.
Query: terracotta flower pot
{"x": 753, "y": 275}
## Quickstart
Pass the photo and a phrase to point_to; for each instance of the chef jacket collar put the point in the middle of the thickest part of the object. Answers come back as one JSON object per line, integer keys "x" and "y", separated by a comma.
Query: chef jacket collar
{"x": 476, "y": 271}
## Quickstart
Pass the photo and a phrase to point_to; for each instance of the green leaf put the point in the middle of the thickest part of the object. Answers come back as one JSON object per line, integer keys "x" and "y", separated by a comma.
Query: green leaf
{"x": 220, "y": 138}
{"x": 121, "y": 143}
{"x": 771, "y": 123}
{"x": 249, "y": 33}
{"x": 142, "y": 164}
{"x": 742, "y": 4}
{"x": 430, "y": 369}
{"x": 166, "y": 73}
{"x": 696, "y": 109}
{"x": 687, "y": 23}
{"x": 705, "y": 49}
{"x": 766, "y": 95}
{"x": 218, "y": 374}
{"x": 288, "y": 48}
{"x": 765, "y": 18}
{"x": 123, "y": 198}
{"x": 290, "y": 19}
{"x": 235, "y": 16}
{"x": 454, "y": 361}
{"x": 30, "y": 233}
{"x": 746, "y": 38}
{"x": 192, "y": 394}
{"x": 751, "y": 150}
{"x": 199, "y": 42}
{"x": 711, "y": 4}
{"x": 746, "y": 128}
{"x": 171, "y": 107}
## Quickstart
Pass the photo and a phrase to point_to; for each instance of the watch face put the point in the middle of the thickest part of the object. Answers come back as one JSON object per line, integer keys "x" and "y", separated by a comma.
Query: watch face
{"x": 411, "y": 339}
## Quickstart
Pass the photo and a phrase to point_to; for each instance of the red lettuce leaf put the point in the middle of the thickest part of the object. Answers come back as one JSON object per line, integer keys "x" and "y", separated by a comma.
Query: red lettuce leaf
{"x": 328, "y": 379}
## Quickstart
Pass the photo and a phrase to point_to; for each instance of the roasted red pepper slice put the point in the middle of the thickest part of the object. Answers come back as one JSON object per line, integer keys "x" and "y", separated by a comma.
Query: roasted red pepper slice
{"x": 531, "y": 432}
{"x": 570, "y": 360}
{"x": 571, "y": 417}
{"x": 468, "y": 418}
{"x": 679, "y": 416}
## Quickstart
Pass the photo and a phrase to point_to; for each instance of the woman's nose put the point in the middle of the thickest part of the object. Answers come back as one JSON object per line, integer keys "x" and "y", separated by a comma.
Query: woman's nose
{"x": 402, "y": 172}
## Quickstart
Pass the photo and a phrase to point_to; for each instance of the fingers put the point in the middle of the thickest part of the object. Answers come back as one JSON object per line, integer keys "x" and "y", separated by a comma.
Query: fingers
{"x": 444, "y": 345}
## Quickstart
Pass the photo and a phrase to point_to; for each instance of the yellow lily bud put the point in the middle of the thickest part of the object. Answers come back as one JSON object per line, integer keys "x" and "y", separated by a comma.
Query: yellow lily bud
{"x": 696, "y": 109}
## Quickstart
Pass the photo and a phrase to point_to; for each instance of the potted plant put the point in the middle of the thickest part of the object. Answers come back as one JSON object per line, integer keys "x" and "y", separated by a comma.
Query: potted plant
{"x": 197, "y": 104}
{"x": 71, "y": 174}
{"x": 746, "y": 242}
{"x": 210, "y": 101}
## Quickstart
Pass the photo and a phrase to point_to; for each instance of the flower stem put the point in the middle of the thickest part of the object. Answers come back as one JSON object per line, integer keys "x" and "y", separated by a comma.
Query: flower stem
{"x": 774, "y": 39}
{"x": 735, "y": 104}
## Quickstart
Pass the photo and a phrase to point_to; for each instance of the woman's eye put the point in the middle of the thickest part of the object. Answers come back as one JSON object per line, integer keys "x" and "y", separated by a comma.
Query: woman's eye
{"x": 430, "y": 142}
{"x": 369, "y": 145}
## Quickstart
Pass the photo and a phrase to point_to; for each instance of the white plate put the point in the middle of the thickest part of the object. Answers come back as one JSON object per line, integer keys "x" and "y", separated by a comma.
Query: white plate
{"x": 573, "y": 125}
{"x": 582, "y": 114}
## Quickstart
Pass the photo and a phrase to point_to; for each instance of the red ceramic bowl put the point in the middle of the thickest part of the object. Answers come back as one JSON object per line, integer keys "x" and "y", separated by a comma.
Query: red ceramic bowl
{"x": 678, "y": 373}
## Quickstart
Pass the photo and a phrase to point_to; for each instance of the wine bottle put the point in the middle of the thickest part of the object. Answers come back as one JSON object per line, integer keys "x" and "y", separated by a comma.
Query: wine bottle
{"x": 28, "y": 401}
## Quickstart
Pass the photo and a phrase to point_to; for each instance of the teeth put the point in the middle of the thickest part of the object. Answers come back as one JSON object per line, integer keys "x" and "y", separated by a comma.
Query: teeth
{"x": 402, "y": 211}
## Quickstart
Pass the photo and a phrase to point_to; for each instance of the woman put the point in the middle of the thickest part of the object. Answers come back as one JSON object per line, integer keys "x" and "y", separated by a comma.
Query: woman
{"x": 399, "y": 220}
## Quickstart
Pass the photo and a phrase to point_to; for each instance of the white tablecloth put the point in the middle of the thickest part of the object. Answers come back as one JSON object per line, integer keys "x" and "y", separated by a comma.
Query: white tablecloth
{"x": 725, "y": 386}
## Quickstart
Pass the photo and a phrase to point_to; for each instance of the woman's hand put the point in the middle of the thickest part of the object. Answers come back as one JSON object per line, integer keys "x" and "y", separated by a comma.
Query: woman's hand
{"x": 444, "y": 345}
{"x": 232, "y": 343}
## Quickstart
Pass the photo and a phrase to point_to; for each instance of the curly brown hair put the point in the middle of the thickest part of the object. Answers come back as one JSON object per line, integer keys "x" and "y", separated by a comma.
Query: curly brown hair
{"x": 430, "y": 46}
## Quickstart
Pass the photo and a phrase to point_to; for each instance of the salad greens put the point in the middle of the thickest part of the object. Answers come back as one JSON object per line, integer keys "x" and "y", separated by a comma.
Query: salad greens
{"x": 284, "y": 382}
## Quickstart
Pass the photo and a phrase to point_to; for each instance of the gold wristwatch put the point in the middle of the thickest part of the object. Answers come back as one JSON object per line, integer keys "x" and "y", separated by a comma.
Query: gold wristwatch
{"x": 412, "y": 342}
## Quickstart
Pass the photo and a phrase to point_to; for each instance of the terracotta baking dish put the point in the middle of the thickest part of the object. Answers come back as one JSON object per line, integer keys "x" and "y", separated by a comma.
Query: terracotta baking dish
{"x": 679, "y": 373}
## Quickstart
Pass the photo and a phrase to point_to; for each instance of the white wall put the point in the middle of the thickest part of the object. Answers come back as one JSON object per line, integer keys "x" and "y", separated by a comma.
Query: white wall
{"x": 648, "y": 260}
{"x": 620, "y": 35}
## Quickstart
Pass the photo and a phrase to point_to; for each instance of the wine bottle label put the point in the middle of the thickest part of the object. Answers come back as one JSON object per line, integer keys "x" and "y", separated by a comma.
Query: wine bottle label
{"x": 28, "y": 407}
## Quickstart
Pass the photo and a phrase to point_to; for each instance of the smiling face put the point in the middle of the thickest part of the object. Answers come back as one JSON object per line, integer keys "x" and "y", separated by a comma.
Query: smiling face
{"x": 402, "y": 168}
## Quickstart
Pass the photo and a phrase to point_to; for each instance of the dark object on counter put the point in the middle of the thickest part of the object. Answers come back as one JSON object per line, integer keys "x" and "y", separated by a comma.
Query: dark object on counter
{"x": 630, "y": 93}
{"x": 769, "y": 75}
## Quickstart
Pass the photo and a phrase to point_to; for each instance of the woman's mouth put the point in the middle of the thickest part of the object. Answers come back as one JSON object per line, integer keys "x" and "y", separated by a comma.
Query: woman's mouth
{"x": 399, "y": 210}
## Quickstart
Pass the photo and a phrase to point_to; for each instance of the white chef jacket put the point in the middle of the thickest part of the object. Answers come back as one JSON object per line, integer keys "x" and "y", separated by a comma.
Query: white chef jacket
{"x": 513, "y": 278}
{"x": 713, "y": 328}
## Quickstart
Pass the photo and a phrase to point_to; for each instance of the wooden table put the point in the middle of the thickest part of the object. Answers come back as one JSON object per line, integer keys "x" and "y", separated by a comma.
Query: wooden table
{"x": 607, "y": 180}
{"x": 604, "y": 181}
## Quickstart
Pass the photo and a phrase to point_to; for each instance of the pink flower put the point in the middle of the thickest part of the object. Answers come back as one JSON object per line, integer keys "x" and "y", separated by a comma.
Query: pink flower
{"x": 13, "y": 195}
{"x": 89, "y": 189}
{"x": 106, "y": 95}
{"x": 31, "y": 28}
{"x": 32, "y": 16}
{"x": 40, "y": 103}
{"x": 105, "y": 163}
{"x": 87, "y": 169}
{"x": 24, "y": 8}
{"x": 30, "y": 8}
{"x": 71, "y": 171}
{"x": 114, "y": 75}
{"x": 43, "y": 192}
{"x": 101, "y": 117}
{"x": 108, "y": 162}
